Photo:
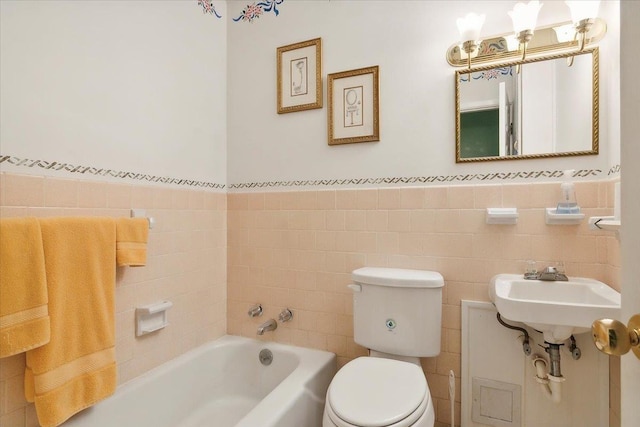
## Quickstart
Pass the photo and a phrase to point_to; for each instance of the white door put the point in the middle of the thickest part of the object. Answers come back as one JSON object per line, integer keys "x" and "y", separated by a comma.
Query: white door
{"x": 503, "y": 119}
{"x": 630, "y": 191}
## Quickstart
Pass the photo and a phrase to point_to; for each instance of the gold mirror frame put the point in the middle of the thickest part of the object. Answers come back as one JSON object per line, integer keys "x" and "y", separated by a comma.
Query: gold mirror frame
{"x": 595, "y": 73}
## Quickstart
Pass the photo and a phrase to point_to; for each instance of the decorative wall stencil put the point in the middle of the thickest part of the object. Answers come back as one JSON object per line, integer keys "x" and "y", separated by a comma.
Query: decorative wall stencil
{"x": 88, "y": 170}
{"x": 491, "y": 74}
{"x": 493, "y": 176}
{"x": 208, "y": 7}
{"x": 255, "y": 10}
{"x": 614, "y": 170}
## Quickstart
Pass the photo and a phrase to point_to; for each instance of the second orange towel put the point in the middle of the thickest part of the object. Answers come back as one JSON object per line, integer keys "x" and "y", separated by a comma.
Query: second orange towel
{"x": 77, "y": 368}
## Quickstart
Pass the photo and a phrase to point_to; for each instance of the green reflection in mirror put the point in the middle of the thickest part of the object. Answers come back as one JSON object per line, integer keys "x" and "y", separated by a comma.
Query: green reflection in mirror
{"x": 479, "y": 131}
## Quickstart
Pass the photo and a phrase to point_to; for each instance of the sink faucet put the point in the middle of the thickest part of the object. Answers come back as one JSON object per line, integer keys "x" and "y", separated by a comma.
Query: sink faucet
{"x": 269, "y": 325}
{"x": 549, "y": 274}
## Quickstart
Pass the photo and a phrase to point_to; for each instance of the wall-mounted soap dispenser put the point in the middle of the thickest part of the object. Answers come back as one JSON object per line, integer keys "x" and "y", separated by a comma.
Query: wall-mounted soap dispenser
{"x": 567, "y": 211}
{"x": 568, "y": 203}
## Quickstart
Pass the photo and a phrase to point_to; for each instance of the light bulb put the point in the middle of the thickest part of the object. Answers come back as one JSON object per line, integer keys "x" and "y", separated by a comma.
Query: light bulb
{"x": 470, "y": 26}
{"x": 524, "y": 16}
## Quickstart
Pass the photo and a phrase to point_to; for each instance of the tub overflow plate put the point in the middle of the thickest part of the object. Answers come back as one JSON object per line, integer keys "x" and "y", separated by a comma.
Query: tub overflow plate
{"x": 391, "y": 324}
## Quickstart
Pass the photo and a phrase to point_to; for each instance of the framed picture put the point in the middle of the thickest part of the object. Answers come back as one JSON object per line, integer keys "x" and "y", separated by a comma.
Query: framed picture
{"x": 353, "y": 106}
{"x": 300, "y": 76}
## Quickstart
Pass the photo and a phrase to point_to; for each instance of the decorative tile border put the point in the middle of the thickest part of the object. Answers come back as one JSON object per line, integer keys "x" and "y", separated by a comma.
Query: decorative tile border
{"x": 88, "y": 170}
{"x": 493, "y": 176}
{"x": 433, "y": 179}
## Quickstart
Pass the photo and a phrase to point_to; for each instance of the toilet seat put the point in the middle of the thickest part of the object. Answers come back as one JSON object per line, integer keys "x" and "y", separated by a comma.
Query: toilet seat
{"x": 376, "y": 392}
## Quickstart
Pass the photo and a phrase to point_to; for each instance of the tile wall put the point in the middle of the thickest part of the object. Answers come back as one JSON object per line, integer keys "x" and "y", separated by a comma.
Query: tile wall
{"x": 186, "y": 264}
{"x": 297, "y": 249}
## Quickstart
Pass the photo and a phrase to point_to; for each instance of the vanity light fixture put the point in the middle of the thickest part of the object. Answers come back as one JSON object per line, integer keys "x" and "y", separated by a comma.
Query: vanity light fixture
{"x": 524, "y": 18}
{"x": 584, "y": 29}
{"x": 469, "y": 28}
{"x": 583, "y": 15}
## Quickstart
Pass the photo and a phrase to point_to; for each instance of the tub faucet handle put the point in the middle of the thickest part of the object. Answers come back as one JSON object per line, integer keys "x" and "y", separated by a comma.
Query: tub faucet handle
{"x": 255, "y": 311}
{"x": 285, "y": 315}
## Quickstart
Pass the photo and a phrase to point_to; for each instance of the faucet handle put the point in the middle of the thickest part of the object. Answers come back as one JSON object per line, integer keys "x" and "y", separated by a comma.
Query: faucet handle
{"x": 285, "y": 315}
{"x": 255, "y": 311}
{"x": 531, "y": 271}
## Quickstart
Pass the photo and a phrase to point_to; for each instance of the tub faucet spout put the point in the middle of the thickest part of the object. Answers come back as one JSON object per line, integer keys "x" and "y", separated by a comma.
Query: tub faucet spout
{"x": 269, "y": 325}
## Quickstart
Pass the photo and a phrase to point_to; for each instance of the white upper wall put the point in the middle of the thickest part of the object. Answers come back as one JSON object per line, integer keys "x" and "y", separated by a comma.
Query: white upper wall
{"x": 408, "y": 40}
{"x": 160, "y": 88}
{"x": 131, "y": 86}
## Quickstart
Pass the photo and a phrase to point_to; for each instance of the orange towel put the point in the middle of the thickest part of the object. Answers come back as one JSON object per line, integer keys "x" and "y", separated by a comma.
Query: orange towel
{"x": 77, "y": 368}
{"x": 24, "y": 317}
{"x": 131, "y": 241}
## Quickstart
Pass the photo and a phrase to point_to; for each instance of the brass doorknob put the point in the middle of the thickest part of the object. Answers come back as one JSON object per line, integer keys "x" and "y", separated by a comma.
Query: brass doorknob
{"x": 613, "y": 337}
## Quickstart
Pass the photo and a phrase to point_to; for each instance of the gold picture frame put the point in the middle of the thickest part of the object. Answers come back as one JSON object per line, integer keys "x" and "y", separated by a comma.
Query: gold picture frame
{"x": 353, "y": 110}
{"x": 299, "y": 78}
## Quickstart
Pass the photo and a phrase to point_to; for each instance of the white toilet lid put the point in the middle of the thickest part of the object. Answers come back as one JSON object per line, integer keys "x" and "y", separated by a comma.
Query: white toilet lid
{"x": 375, "y": 392}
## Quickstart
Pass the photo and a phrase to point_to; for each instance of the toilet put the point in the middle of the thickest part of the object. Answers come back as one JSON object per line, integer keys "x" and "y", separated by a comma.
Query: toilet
{"x": 397, "y": 314}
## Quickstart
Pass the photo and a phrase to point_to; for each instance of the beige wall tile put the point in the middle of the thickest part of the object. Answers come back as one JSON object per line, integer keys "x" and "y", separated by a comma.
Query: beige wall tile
{"x": 412, "y": 198}
{"x": 346, "y": 199}
{"x": 436, "y": 198}
{"x": 377, "y": 220}
{"x": 256, "y": 201}
{"x": 14, "y": 419}
{"x": 367, "y": 199}
{"x": 92, "y": 194}
{"x": 389, "y": 198}
{"x": 12, "y": 366}
{"x": 179, "y": 199}
{"x": 356, "y": 220}
{"x": 399, "y": 220}
{"x": 119, "y": 196}
{"x": 460, "y": 197}
{"x": 422, "y": 221}
{"x": 141, "y": 197}
{"x": 517, "y": 195}
{"x": 487, "y": 196}
{"x": 60, "y": 192}
{"x": 196, "y": 200}
{"x": 22, "y": 190}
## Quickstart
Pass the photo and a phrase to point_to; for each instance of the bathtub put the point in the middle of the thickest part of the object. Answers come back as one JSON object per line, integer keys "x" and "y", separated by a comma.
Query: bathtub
{"x": 222, "y": 384}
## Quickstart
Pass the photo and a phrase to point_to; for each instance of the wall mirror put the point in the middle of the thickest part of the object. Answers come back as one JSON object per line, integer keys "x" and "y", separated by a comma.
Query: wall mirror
{"x": 546, "y": 109}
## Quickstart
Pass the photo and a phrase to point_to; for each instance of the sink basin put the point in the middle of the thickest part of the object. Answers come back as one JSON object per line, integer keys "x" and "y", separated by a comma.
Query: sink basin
{"x": 557, "y": 309}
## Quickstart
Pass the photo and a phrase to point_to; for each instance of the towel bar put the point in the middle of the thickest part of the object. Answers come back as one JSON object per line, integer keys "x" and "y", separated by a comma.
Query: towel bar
{"x": 141, "y": 213}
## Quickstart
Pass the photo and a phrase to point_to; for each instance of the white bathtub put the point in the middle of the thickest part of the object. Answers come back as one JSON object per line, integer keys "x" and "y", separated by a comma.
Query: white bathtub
{"x": 222, "y": 384}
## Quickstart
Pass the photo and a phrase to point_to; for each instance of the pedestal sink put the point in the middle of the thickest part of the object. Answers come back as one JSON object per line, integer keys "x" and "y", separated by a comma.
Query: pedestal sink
{"x": 557, "y": 309}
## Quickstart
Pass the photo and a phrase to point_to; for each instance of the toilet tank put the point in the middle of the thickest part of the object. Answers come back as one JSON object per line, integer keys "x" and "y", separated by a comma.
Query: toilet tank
{"x": 397, "y": 311}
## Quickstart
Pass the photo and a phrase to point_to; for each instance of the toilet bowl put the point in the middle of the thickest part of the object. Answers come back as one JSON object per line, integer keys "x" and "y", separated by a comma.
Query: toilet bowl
{"x": 375, "y": 392}
{"x": 397, "y": 315}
